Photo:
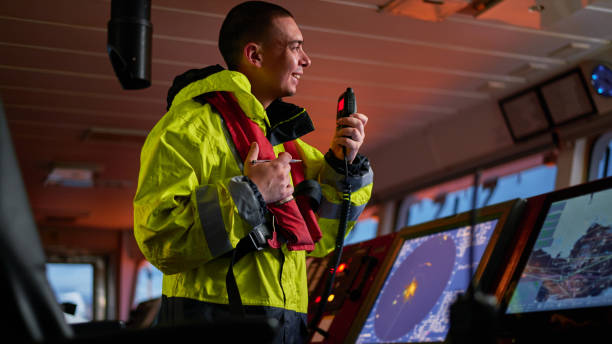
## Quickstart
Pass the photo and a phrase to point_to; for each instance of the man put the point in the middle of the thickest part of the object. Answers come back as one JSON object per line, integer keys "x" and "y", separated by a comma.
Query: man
{"x": 200, "y": 191}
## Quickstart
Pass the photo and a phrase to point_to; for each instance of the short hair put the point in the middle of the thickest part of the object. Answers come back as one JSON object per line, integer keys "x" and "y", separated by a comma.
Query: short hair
{"x": 247, "y": 22}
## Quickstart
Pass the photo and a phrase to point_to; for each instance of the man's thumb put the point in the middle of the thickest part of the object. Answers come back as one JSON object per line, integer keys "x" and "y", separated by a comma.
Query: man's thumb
{"x": 253, "y": 152}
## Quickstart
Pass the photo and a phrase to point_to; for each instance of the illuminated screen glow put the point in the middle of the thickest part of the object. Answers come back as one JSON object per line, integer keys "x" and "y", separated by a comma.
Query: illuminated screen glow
{"x": 570, "y": 265}
{"x": 427, "y": 275}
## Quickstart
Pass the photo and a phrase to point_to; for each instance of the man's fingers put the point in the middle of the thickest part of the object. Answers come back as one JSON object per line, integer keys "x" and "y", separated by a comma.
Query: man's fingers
{"x": 361, "y": 117}
{"x": 284, "y": 157}
{"x": 253, "y": 152}
{"x": 351, "y": 133}
{"x": 356, "y": 120}
{"x": 347, "y": 142}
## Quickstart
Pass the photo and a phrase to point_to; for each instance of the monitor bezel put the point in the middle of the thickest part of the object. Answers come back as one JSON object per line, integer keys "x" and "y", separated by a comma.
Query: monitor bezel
{"x": 507, "y": 215}
{"x": 501, "y": 280}
{"x": 542, "y": 319}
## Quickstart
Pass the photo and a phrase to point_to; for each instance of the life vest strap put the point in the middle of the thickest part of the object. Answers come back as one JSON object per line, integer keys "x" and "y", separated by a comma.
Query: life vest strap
{"x": 256, "y": 240}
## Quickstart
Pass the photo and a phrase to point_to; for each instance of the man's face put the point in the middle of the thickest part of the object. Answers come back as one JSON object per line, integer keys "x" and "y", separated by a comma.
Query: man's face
{"x": 284, "y": 58}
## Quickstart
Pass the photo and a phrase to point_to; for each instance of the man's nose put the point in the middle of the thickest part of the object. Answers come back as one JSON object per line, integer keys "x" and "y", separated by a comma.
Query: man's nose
{"x": 305, "y": 61}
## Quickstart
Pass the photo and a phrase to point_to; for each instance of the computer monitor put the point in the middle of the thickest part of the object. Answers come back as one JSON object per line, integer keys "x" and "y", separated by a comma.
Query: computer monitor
{"x": 548, "y": 105}
{"x": 355, "y": 275}
{"x": 567, "y": 97}
{"x": 427, "y": 268}
{"x": 525, "y": 115}
{"x": 566, "y": 267}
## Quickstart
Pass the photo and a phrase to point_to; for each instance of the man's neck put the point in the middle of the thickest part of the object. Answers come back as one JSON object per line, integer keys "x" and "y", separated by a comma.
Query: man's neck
{"x": 263, "y": 98}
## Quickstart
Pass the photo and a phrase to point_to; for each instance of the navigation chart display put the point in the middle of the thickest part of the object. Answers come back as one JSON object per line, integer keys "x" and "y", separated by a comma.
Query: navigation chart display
{"x": 570, "y": 265}
{"x": 425, "y": 279}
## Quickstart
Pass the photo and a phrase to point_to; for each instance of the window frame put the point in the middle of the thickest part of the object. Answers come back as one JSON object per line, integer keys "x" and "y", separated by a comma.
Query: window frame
{"x": 142, "y": 264}
{"x": 598, "y": 152}
{"x": 100, "y": 297}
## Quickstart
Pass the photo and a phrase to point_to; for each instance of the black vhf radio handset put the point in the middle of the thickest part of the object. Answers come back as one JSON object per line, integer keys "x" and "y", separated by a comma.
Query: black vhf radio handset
{"x": 346, "y": 106}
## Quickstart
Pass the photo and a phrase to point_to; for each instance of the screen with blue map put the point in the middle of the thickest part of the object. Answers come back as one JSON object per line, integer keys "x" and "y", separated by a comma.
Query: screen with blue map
{"x": 427, "y": 275}
{"x": 570, "y": 265}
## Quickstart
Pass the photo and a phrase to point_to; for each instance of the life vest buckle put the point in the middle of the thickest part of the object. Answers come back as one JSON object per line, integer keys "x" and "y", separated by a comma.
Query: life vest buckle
{"x": 259, "y": 236}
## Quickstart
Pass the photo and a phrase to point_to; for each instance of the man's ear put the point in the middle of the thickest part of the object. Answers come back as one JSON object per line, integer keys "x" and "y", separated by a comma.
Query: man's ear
{"x": 252, "y": 54}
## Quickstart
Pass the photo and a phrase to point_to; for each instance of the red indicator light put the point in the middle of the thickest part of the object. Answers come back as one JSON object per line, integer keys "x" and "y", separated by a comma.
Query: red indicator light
{"x": 341, "y": 267}
{"x": 341, "y": 104}
{"x": 318, "y": 299}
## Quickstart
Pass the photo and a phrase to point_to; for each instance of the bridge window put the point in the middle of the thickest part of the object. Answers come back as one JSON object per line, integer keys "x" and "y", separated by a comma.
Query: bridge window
{"x": 365, "y": 229}
{"x": 601, "y": 165}
{"x": 521, "y": 179}
{"x": 62, "y": 277}
{"x": 148, "y": 284}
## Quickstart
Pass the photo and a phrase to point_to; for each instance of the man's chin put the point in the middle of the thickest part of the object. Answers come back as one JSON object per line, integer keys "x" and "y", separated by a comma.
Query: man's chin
{"x": 286, "y": 94}
{"x": 290, "y": 92}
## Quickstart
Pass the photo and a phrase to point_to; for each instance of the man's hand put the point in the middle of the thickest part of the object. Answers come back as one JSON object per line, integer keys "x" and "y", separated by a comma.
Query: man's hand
{"x": 351, "y": 136}
{"x": 272, "y": 178}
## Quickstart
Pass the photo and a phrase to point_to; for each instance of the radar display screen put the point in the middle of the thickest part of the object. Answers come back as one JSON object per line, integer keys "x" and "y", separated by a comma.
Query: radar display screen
{"x": 427, "y": 275}
{"x": 570, "y": 265}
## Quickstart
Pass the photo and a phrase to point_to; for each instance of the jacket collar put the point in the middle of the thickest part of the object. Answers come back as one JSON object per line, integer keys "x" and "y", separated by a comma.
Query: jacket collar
{"x": 289, "y": 122}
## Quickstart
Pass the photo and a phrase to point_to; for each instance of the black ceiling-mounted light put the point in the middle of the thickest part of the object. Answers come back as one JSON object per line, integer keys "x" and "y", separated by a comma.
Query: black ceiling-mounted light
{"x": 129, "y": 42}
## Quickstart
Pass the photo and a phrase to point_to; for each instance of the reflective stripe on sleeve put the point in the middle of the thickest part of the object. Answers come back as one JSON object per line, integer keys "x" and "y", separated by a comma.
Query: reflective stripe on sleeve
{"x": 212, "y": 221}
{"x": 331, "y": 210}
{"x": 331, "y": 177}
{"x": 245, "y": 200}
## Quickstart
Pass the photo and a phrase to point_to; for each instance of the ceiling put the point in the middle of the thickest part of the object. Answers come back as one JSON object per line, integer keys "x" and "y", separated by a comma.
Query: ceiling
{"x": 65, "y": 106}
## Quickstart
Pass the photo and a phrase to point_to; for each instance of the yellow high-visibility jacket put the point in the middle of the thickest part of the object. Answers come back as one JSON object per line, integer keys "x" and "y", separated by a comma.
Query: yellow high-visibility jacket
{"x": 193, "y": 204}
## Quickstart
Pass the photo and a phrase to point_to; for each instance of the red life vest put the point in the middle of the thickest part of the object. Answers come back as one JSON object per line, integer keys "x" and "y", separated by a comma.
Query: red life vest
{"x": 296, "y": 219}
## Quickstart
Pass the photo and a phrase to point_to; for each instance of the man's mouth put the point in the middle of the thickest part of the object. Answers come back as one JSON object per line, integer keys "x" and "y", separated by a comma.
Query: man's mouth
{"x": 297, "y": 76}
